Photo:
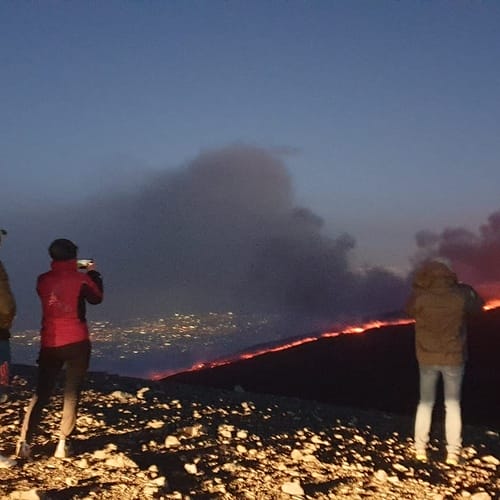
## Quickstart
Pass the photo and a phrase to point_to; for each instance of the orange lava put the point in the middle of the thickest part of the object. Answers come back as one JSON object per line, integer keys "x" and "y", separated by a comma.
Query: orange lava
{"x": 348, "y": 330}
{"x": 492, "y": 304}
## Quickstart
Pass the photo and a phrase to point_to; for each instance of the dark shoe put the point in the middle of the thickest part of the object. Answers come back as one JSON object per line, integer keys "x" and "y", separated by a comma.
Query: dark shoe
{"x": 23, "y": 450}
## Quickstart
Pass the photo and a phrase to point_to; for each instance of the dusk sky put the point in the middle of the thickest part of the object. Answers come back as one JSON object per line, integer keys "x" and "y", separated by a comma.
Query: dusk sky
{"x": 385, "y": 114}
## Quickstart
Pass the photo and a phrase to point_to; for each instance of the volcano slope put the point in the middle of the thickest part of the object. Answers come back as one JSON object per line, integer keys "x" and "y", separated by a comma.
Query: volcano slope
{"x": 371, "y": 370}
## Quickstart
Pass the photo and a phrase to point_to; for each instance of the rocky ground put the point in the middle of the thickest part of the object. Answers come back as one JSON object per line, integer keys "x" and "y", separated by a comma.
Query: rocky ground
{"x": 138, "y": 440}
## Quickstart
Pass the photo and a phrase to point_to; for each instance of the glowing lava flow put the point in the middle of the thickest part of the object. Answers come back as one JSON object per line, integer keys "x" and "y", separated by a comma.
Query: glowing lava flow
{"x": 348, "y": 330}
{"x": 492, "y": 304}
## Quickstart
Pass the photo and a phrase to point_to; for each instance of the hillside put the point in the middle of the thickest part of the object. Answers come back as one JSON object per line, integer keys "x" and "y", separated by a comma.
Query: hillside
{"x": 373, "y": 370}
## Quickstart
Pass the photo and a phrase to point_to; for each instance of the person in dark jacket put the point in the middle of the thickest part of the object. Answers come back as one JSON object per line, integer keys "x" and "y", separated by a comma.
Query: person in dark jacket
{"x": 64, "y": 340}
{"x": 7, "y": 314}
{"x": 440, "y": 305}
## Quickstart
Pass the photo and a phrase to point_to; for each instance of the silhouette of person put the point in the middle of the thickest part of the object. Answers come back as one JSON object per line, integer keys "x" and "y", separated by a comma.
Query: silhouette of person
{"x": 440, "y": 305}
{"x": 7, "y": 314}
{"x": 64, "y": 340}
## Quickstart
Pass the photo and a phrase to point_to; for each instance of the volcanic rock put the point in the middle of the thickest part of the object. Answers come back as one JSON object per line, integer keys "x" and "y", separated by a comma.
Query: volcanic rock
{"x": 232, "y": 446}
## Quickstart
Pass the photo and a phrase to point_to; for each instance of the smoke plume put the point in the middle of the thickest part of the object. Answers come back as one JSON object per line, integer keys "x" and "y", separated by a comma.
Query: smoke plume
{"x": 474, "y": 256}
{"x": 221, "y": 232}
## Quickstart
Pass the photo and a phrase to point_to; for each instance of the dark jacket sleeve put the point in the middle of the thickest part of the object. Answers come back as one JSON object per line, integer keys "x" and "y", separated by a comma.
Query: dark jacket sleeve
{"x": 473, "y": 302}
{"x": 94, "y": 289}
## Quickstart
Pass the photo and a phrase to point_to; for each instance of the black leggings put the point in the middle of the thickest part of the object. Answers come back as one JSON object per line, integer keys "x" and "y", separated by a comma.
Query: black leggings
{"x": 76, "y": 358}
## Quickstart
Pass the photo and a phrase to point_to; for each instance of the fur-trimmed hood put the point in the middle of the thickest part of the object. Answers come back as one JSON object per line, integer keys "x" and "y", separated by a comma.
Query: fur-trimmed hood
{"x": 434, "y": 274}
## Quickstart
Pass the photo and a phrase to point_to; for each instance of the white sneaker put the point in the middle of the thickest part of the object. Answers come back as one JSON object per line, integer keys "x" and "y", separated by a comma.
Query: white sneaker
{"x": 23, "y": 450}
{"x": 6, "y": 462}
{"x": 62, "y": 449}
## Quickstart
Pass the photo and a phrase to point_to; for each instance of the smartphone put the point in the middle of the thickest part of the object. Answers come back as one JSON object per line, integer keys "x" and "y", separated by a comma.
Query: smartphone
{"x": 84, "y": 263}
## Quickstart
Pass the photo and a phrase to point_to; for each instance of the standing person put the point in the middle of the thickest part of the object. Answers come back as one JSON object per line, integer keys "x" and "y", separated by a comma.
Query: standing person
{"x": 7, "y": 313}
{"x": 64, "y": 340}
{"x": 440, "y": 305}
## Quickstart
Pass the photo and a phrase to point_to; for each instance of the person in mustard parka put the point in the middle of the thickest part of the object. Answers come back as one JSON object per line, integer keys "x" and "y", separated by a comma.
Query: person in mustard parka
{"x": 440, "y": 305}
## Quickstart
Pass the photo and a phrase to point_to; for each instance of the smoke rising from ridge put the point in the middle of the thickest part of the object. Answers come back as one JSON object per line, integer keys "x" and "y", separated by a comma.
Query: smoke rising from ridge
{"x": 221, "y": 232}
{"x": 474, "y": 256}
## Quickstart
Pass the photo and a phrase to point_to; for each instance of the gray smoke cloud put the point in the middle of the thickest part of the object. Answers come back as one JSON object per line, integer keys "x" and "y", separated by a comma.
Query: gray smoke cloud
{"x": 473, "y": 255}
{"x": 221, "y": 232}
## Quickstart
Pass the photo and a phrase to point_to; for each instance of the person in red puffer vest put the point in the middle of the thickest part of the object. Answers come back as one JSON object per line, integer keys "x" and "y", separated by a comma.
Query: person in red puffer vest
{"x": 64, "y": 340}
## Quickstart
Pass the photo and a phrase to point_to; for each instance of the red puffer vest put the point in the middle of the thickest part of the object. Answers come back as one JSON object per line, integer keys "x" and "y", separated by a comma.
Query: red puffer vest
{"x": 63, "y": 292}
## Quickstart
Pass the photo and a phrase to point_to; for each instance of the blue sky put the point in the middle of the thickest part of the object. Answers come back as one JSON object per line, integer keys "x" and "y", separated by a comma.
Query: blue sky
{"x": 386, "y": 113}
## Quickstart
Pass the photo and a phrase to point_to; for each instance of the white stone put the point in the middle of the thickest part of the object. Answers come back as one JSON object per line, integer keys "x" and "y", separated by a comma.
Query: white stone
{"x": 192, "y": 431}
{"x": 155, "y": 424}
{"x": 177, "y": 495}
{"x": 229, "y": 467}
{"x": 121, "y": 395}
{"x": 359, "y": 439}
{"x": 292, "y": 488}
{"x": 482, "y": 495}
{"x": 191, "y": 468}
{"x": 159, "y": 481}
{"x": 25, "y": 495}
{"x": 317, "y": 440}
{"x": 140, "y": 393}
{"x": 400, "y": 467}
{"x": 120, "y": 461}
{"x": 150, "y": 491}
{"x": 171, "y": 442}
{"x": 490, "y": 459}
{"x": 82, "y": 463}
{"x": 100, "y": 454}
{"x": 380, "y": 475}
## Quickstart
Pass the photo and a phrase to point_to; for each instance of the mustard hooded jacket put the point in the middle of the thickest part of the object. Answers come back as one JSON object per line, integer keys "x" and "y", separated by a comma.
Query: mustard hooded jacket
{"x": 439, "y": 305}
{"x": 7, "y": 304}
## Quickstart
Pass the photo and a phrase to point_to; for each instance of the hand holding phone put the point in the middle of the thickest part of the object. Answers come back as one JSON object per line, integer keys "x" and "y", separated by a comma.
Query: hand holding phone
{"x": 85, "y": 264}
